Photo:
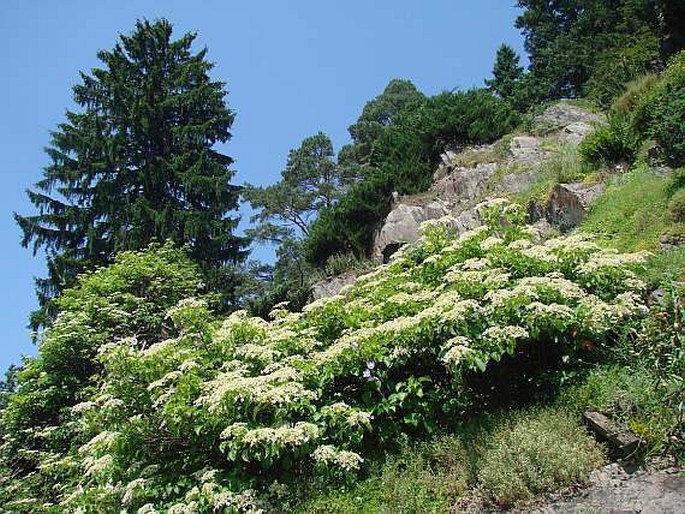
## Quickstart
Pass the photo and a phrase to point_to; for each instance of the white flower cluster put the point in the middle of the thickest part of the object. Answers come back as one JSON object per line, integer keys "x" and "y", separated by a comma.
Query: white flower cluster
{"x": 351, "y": 416}
{"x": 346, "y": 460}
{"x": 278, "y": 388}
{"x": 245, "y": 502}
{"x": 606, "y": 259}
{"x": 293, "y": 436}
{"x": 275, "y": 386}
{"x": 457, "y": 349}
{"x": 502, "y": 335}
{"x": 130, "y": 490}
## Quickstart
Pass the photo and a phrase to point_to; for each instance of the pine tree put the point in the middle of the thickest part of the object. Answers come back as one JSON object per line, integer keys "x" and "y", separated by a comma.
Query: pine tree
{"x": 137, "y": 164}
{"x": 506, "y": 73}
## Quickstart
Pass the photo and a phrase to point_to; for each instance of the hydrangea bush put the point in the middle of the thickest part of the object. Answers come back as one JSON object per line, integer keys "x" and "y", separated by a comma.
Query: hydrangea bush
{"x": 220, "y": 416}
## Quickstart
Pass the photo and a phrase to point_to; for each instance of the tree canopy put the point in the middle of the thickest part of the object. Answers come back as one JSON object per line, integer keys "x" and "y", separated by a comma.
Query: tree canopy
{"x": 137, "y": 164}
{"x": 506, "y": 73}
{"x": 310, "y": 182}
{"x": 572, "y": 42}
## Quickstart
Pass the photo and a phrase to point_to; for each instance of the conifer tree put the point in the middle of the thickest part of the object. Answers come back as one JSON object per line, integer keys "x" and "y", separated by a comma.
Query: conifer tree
{"x": 137, "y": 164}
{"x": 506, "y": 73}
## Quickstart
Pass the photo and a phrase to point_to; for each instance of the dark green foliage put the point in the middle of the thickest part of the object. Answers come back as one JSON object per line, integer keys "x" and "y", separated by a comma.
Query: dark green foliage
{"x": 8, "y": 384}
{"x": 310, "y": 182}
{"x": 671, "y": 16}
{"x": 137, "y": 164}
{"x": 653, "y": 107}
{"x": 506, "y": 73}
{"x": 126, "y": 300}
{"x": 378, "y": 114}
{"x": 401, "y": 161}
{"x": 617, "y": 142}
{"x": 575, "y": 43}
{"x": 663, "y": 112}
{"x": 288, "y": 280}
{"x": 461, "y": 118}
{"x": 618, "y": 66}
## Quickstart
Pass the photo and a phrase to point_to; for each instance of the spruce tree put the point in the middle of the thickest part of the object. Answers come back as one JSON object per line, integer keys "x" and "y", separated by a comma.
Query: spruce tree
{"x": 506, "y": 73}
{"x": 137, "y": 164}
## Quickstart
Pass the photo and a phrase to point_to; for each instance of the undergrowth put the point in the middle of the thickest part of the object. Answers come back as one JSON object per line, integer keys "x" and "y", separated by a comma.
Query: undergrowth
{"x": 504, "y": 459}
{"x": 633, "y": 212}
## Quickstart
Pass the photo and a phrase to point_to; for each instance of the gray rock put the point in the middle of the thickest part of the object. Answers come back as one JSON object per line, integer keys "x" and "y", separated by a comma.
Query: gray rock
{"x": 613, "y": 491}
{"x": 401, "y": 225}
{"x": 658, "y": 297}
{"x": 332, "y": 286}
{"x": 525, "y": 149}
{"x": 563, "y": 115}
{"x": 576, "y": 132}
{"x": 568, "y": 204}
{"x": 670, "y": 241}
{"x": 464, "y": 185}
{"x": 623, "y": 443}
{"x": 517, "y": 182}
{"x": 435, "y": 209}
{"x": 467, "y": 220}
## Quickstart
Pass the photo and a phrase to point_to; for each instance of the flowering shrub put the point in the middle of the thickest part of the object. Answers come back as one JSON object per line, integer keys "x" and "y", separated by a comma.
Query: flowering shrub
{"x": 217, "y": 416}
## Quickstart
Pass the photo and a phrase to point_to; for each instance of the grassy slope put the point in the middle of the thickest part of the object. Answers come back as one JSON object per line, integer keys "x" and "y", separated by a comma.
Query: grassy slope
{"x": 633, "y": 212}
{"x": 521, "y": 448}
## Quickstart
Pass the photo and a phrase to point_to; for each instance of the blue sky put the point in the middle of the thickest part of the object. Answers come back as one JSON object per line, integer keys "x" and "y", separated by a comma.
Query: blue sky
{"x": 292, "y": 68}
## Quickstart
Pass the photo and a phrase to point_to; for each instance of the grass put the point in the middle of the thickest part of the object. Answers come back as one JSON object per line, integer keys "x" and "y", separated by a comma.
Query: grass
{"x": 472, "y": 157}
{"x": 664, "y": 268}
{"x": 343, "y": 263}
{"x": 533, "y": 453}
{"x": 564, "y": 166}
{"x": 507, "y": 459}
{"x": 633, "y": 396}
{"x": 632, "y": 213}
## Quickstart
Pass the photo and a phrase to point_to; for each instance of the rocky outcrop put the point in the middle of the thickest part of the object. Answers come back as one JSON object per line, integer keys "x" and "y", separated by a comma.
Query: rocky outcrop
{"x": 525, "y": 149}
{"x": 332, "y": 286}
{"x": 563, "y": 115}
{"x": 671, "y": 241}
{"x": 402, "y": 225}
{"x": 568, "y": 204}
{"x": 458, "y": 188}
{"x": 613, "y": 489}
{"x": 464, "y": 185}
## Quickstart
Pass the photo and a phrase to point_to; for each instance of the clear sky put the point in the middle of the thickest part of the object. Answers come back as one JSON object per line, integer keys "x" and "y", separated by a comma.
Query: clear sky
{"x": 292, "y": 68}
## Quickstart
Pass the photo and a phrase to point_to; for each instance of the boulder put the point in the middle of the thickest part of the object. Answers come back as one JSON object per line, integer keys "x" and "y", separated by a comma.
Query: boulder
{"x": 622, "y": 442}
{"x": 563, "y": 114}
{"x": 576, "y": 132}
{"x": 568, "y": 204}
{"x": 401, "y": 225}
{"x": 463, "y": 185}
{"x": 671, "y": 241}
{"x": 525, "y": 149}
{"x": 517, "y": 182}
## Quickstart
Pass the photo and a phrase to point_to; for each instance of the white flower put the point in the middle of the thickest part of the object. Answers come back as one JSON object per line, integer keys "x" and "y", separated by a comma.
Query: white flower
{"x": 130, "y": 489}
{"x": 328, "y": 454}
{"x": 490, "y": 242}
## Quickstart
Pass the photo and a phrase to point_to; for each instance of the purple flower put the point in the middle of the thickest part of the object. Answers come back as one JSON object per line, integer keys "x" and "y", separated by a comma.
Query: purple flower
{"x": 370, "y": 364}
{"x": 367, "y": 374}
{"x": 354, "y": 345}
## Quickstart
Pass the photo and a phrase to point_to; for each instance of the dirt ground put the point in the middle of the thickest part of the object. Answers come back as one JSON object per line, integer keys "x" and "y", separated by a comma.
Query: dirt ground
{"x": 612, "y": 490}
